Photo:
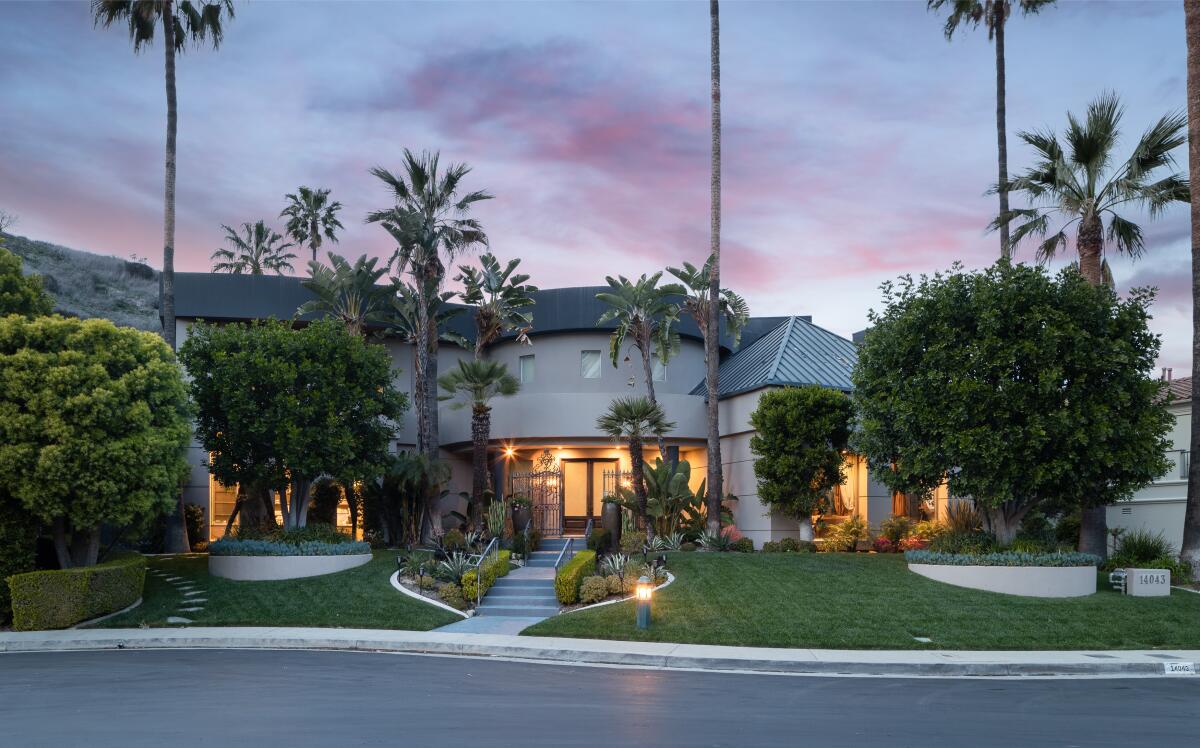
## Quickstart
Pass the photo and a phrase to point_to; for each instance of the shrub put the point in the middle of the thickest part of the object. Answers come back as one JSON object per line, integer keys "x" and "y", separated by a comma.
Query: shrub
{"x": 197, "y": 526}
{"x": 492, "y": 570}
{"x": 913, "y": 543}
{"x": 18, "y": 549}
{"x": 518, "y": 543}
{"x": 742, "y": 545}
{"x": 633, "y": 542}
{"x": 788, "y": 545}
{"x": 454, "y": 567}
{"x": 895, "y": 529}
{"x": 845, "y": 535}
{"x": 599, "y": 540}
{"x": 58, "y": 599}
{"x": 963, "y": 517}
{"x": 883, "y": 545}
{"x": 1002, "y": 558}
{"x": 731, "y": 532}
{"x": 1143, "y": 545}
{"x": 236, "y": 547}
{"x": 452, "y": 595}
{"x": 714, "y": 543}
{"x": 1030, "y": 545}
{"x": 314, "y": 533}
{"x": 593, "y": 590}
{"x": 928, "y": 529}
{"x": 687, "y": 547}
{"x": 426, "y": 582}
{"x": 454, "y": 540}
{"x": 957, "y": 542}
{"x": 616, "y": 586}
{"x": 570, "y": 576}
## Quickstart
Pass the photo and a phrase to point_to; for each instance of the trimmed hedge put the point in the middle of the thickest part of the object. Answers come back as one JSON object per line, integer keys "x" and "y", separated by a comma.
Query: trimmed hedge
{"x": 235, "y": 547}
{"x": 570, "y": 576}
{"x": 1001, "y": 558}
{"x": 61, "y": 598}
{"x": 492, "y": 571}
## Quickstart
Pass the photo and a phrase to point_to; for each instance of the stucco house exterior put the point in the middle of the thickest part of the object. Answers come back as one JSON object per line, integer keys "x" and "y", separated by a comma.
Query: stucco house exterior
{"x": 1160, "y": 506}
{"x": 567, "y": 380}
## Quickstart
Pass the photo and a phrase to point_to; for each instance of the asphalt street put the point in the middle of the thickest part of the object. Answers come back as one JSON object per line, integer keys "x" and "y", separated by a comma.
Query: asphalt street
{"x": 294, "y": 698}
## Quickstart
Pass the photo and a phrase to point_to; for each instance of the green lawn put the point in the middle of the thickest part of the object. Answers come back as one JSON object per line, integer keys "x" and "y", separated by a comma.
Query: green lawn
{"x": 358, "y": 598}
{"x": 861, "y": 601}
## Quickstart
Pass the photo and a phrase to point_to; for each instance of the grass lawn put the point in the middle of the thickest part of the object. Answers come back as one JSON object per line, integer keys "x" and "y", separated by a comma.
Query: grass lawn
{"x": 357, "y": 598}
{"x": 861, "y": 601}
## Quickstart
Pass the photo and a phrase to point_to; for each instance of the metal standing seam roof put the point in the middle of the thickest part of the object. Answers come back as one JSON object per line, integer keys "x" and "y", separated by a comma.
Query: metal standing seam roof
{"x": 795, "y": 352}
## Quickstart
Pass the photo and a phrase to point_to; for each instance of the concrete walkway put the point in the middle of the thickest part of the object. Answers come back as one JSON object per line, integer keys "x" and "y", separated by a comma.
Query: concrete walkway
{"x": 1116, "y": 663}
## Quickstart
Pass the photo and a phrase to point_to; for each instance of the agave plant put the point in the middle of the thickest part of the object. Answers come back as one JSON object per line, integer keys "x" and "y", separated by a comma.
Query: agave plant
{"x": 453, "y": 568}
{"x": 714, "y": 542}
{"x": 656, "y": 544}
{"x": 474, "y": 540}
{"x": 614, "y": 564}
{"x": 672, "y": 542}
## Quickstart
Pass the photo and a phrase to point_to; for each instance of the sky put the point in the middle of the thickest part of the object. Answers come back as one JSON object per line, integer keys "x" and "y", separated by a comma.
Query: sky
{"x": 858, "y": 143}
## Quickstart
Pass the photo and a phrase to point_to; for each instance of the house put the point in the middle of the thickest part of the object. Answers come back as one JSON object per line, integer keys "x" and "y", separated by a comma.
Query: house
{"x": 1160, "y": 506}
{"x": 545, "y": 444}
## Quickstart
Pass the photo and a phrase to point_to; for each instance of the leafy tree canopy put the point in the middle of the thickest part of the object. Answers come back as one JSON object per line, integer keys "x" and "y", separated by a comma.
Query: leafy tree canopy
{"x": 279, "y": 403}
{"x": 800, "y": 441}
{"x": 21, "y": 294}
{"x": 94, "y": 425}
{"x": 1014, "y": 386}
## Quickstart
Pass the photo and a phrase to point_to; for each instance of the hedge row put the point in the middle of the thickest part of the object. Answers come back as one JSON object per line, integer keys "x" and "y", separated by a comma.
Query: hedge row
{"x": 1001, "y": 558}
{"x": 492, "y": 570}
{"x": 61, "y": 598}
{"x": 570, "y": 576}
{"x": 235, "y": 547}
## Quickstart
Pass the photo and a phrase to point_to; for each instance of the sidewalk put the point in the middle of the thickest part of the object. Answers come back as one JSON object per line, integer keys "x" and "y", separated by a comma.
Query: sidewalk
{"x": 1117, "y": 663}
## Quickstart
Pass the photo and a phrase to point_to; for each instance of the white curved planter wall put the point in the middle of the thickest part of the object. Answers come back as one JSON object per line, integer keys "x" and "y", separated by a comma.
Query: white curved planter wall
{"x": 1029, "y": 581}
{"x": 263, "y": 568}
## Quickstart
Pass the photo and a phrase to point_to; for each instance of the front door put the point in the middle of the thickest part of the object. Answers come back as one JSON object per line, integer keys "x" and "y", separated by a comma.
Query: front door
{"x": 583, "y": 491}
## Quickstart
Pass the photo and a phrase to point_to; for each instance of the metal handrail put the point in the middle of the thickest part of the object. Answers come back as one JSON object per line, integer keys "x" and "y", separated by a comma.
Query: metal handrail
{"x": 479, "y": 570}
{"x": 567, "y": 546}
{"x": 587, "y": 531}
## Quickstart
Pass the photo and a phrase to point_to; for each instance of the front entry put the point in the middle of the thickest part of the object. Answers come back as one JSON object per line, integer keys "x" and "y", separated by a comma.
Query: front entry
{"x": 583, "y": 491}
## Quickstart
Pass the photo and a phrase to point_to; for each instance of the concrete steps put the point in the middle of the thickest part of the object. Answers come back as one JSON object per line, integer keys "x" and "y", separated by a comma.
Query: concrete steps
{"x": 527, "y": 592}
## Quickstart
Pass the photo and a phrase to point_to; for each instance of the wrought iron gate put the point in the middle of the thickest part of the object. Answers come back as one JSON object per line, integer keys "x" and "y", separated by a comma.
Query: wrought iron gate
{"x": 545, "y": 489}
{"x": 615, "y": 478}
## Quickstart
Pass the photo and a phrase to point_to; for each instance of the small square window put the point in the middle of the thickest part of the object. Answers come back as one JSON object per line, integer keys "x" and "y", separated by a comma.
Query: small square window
{"x": 526, "y": 369}
{"x": 589, "y": 365}
{"x": 658, "y": 370}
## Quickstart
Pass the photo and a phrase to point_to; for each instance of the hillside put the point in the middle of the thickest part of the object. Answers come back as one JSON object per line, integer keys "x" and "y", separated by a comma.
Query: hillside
{"x": 90, "y": 285}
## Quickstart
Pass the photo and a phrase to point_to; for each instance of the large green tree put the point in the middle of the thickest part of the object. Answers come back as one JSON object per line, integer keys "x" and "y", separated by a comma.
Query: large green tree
{"x": 311, "y": 218}
{"x": 182, "y": 22}
{"x": 93, "y": 427}
{"x": 257, "y": 250}
{"x": 19, "y": 293}
{"x": 304, "y": 403}
{"x": 1012, "y": 386}
{"x": 475, "y": 384}
{"x": 1085, "y": 184}
{"x": 500, "y": 300}
{"x": 800, "y": 440}
{"x": 431, "y": 225}
{"x": 645, "y": 314}
{"x": 631, "y": 420}
{"x": 994, "y": 15}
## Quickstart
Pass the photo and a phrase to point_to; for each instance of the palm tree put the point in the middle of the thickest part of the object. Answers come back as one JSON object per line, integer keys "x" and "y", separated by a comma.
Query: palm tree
{"x": 645, "y": 314}
{"x": 1082, "y": 185}
{"x": 431, "y": 226}
{"x": 630, "y": 419}
{"x": 712, "y": 351}
{"x": 182, "y": 21}
{"x": 732, "y": 309}
{"x": 404, "y": 319}
{"x": 349, "y": 293}
{"x": 256, "y": 253}
{"x": 499, "y": 297}
{"x": 476, "y": 383}
{"x": 1190, "y": 549}
{"x": 310, "y": 216}
{"x": 994, "y": 15}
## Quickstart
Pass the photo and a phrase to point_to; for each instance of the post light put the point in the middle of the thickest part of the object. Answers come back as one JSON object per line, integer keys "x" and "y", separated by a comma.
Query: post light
{"x": 645, "y": 591}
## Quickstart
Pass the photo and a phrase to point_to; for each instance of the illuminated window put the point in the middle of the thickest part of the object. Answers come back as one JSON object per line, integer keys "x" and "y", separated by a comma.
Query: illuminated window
{"x": 526, "y": 369}
{"x": 589, "y": 364}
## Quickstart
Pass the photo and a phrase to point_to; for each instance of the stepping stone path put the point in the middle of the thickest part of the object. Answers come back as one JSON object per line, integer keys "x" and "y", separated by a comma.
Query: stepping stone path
{"x": 191, "y": 602}
{"x": 178, "y": 619}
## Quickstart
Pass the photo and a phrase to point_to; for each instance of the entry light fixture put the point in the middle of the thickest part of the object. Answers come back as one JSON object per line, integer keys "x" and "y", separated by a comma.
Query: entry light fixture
{"x": 645, "y": 593}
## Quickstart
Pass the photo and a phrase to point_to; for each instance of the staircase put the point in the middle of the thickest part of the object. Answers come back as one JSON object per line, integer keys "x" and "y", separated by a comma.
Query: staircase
{"x": 527, "y": 592}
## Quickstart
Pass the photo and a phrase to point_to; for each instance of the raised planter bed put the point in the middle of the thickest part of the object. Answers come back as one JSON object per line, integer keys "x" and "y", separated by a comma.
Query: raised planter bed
{"x": 1028, "y": 581}
{"x": 264, "y": 568}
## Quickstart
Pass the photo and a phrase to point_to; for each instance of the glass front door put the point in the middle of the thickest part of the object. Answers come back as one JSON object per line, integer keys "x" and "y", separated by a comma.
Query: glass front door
{"x": 583, "y": 487}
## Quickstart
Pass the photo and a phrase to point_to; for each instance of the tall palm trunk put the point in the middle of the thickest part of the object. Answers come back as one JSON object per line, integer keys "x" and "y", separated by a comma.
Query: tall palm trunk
{"x": 1001, "y": 137}
{"x": 637, "y": 470}
{"x": 481, "y": 426}
{"x": 1190, "y": 550}
{"x": 421, "y": 371}
{"x": 176, "y": 540}
{"x": 648, "y": 373}
{"x": 1093, "y": 526}
{"x": 712, "y": 339}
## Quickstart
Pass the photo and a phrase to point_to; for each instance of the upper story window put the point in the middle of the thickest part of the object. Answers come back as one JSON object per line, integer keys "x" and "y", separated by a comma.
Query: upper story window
{"x": 589, "y": 364}
{"x": 526, "y": 369}
{"x": 658, "y": 370}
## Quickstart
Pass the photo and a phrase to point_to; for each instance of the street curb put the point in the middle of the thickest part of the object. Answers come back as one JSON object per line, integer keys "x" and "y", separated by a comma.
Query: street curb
{"x": 601, "y": 652}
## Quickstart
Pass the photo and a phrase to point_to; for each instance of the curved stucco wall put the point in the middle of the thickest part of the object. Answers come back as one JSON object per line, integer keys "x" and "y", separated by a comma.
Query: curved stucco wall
{"x": 1028, "y": 581}
{"x": 264, "y": 568}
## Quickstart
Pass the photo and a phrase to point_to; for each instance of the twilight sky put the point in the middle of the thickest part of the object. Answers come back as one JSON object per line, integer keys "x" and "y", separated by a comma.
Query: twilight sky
{"x": 858, "y": 143}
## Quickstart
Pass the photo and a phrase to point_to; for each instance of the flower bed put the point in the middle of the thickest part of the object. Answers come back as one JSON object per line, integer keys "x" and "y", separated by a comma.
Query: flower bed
{"x": 1027, "y": 574}
{"x": 234, "y": 547}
